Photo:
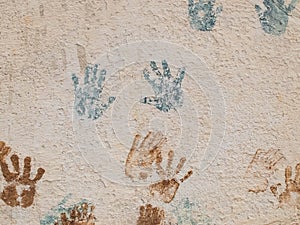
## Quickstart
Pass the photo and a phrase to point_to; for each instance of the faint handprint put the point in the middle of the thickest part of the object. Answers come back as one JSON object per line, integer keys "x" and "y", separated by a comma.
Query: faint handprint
{"x": 274, "y": 19}
{"x": 292, "y": 186}
{"x": 167, "y": 89}
{"x": 14, "y": 179}
{"x": 150, "y": 215}
{"x": 88, "y": 97}
{"x": 78, "y": 215}
{"x": 261, "y": 168}
{"x": 142, "y": 155}
{"x": 167, "y": 188}
{"x": 202, "y": 14}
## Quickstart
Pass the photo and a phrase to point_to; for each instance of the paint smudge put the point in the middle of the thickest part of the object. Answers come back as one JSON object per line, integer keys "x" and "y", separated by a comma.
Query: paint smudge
{"x": 274, "y": 19}
{"x": 81, "y": 55}
{"x": 14, "y": 179}
{"x": 188, "y": 213}
{"x": 150, "y": 215}
{"x": 143, "y": 154}
{"x": 261, "y": 168}
{"x": 167, "y": 90}
{"x": 167, "y": 188}
{"x": 79, "y": 214}
{"x": 88, "y": 97}
{"x": 292, "y": 186}
{"x": 202, "y": 15}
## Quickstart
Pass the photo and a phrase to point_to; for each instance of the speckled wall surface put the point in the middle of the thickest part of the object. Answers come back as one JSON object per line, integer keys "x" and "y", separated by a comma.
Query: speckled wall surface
{"x": 150, "y": 112}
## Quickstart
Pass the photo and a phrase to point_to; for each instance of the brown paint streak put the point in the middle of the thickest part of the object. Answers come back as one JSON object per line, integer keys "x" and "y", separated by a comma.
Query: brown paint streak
{"x": 261, "y": 167}
{"x": 142, "y": 155}
{"x": 13, "y": 179}
{"x": 167, "y": 188}
{"x": 78, "y": 216}
{"x": 150, "y": 215}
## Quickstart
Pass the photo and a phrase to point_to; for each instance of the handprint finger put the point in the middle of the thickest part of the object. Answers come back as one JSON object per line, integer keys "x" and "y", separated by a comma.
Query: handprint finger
{"x": 161, "y": 172}
{"x": 75, "y": 81}
{"x": 180, "y": 165}
{"x": 87, "y": 75}
{"x": 297, "y": 176}
{"x": 155, "y": 68}
{"x": 39, "y": 175}
{"x": 15, "y": 162}
{"x": 130, "y": 157}
{"x": 170, "y": 161}
{"x": 288, "y": 174}
{"x": 147, "y": 140}
{"x": 278, "y": 157}
{"x": 101, "y": 79}
{"x": 27, "y": 169}
{"x": 5, "y": 151}
{"x": 157, "y": 141}
{"x": 186, "y": 176}
{"x": 150, "y": 100}
{"x": 166, "y": 69}
{"x": 180, "y": 75}
{"x": 148, "y": 210}
{"x": 94, "y": 73}
{"x": 191, "y": 4}
{"x": 142, "y": 211}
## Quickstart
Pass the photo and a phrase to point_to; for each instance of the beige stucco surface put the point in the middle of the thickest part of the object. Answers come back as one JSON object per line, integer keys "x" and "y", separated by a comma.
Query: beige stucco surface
{"x": 257, "y": 76}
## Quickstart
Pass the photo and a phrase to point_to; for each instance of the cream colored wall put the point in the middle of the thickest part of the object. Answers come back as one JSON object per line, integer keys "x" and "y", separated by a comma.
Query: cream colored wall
{"x": 253, "y": 103}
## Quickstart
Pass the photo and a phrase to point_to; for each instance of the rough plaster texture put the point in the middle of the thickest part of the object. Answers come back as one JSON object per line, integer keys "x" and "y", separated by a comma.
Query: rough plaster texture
{"x": 44, "y": 42}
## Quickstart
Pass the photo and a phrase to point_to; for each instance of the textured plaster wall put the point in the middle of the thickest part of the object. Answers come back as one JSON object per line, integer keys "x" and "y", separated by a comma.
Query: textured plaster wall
{"x": 257, "y": 106}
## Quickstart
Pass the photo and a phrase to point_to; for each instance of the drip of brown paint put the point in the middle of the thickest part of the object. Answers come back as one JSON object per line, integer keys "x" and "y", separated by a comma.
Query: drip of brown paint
{"x": 150, "y": 215}
{"x": 14, "y": 179}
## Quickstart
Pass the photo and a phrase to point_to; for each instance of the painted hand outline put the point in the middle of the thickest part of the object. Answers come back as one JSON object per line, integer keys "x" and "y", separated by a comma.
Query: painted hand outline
{"x": 261, "y": 167}
{"x": 274, "y": 19}
{"x": 167, "y": 188}
{"x": 88, "y": 97}
{"x": 207, "y": 21}
{"x": 167, "y": 90}
{"x": 142, "y": 155}
{"x": 10, "y": 194}
{"x": 150, "y": 215}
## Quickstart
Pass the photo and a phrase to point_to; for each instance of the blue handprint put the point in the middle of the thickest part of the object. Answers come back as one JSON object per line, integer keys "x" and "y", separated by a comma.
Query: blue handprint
{"x": 168, "y": 93}
{"x": 208, "y": 17}
{"x": 87, "y": 98}
{"x": 275, "y": 18}
{"x": 188, "y": 212}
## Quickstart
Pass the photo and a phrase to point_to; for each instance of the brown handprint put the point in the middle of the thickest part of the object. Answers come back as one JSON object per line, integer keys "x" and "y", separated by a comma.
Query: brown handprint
{"x": 150, "y": 215}
{"x": 261, "y": 168}
{"x": 143, "y": 155}
{"x": 79, "y": 215}
{"x": 291, "y": 185}
{"x": 10, "y": 195}
{"x": 167, "y": 188}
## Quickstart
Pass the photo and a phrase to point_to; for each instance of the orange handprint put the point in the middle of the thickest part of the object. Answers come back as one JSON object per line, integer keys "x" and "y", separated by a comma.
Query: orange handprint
{"x": 14, "y": 179}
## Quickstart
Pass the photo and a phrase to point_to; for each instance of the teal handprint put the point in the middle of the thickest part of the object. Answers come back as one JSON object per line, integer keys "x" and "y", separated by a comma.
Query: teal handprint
{"x": 202, "y": 14}
{"x": 88, "y": 98}
{"x": 275, "y": 18}
{"x": 168, "y": 93}
{"x": 188, "y": 213}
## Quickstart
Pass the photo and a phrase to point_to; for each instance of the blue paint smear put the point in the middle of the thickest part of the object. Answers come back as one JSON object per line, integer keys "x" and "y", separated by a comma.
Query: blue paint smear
{"x": 188, "y": 212}
{"x": 167, "y": 89}
{"x": 88, "y": 97}
{"x": 274, "y": 19}
{"x": 202, "y": 15}
{"x": 54, "y": 214}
